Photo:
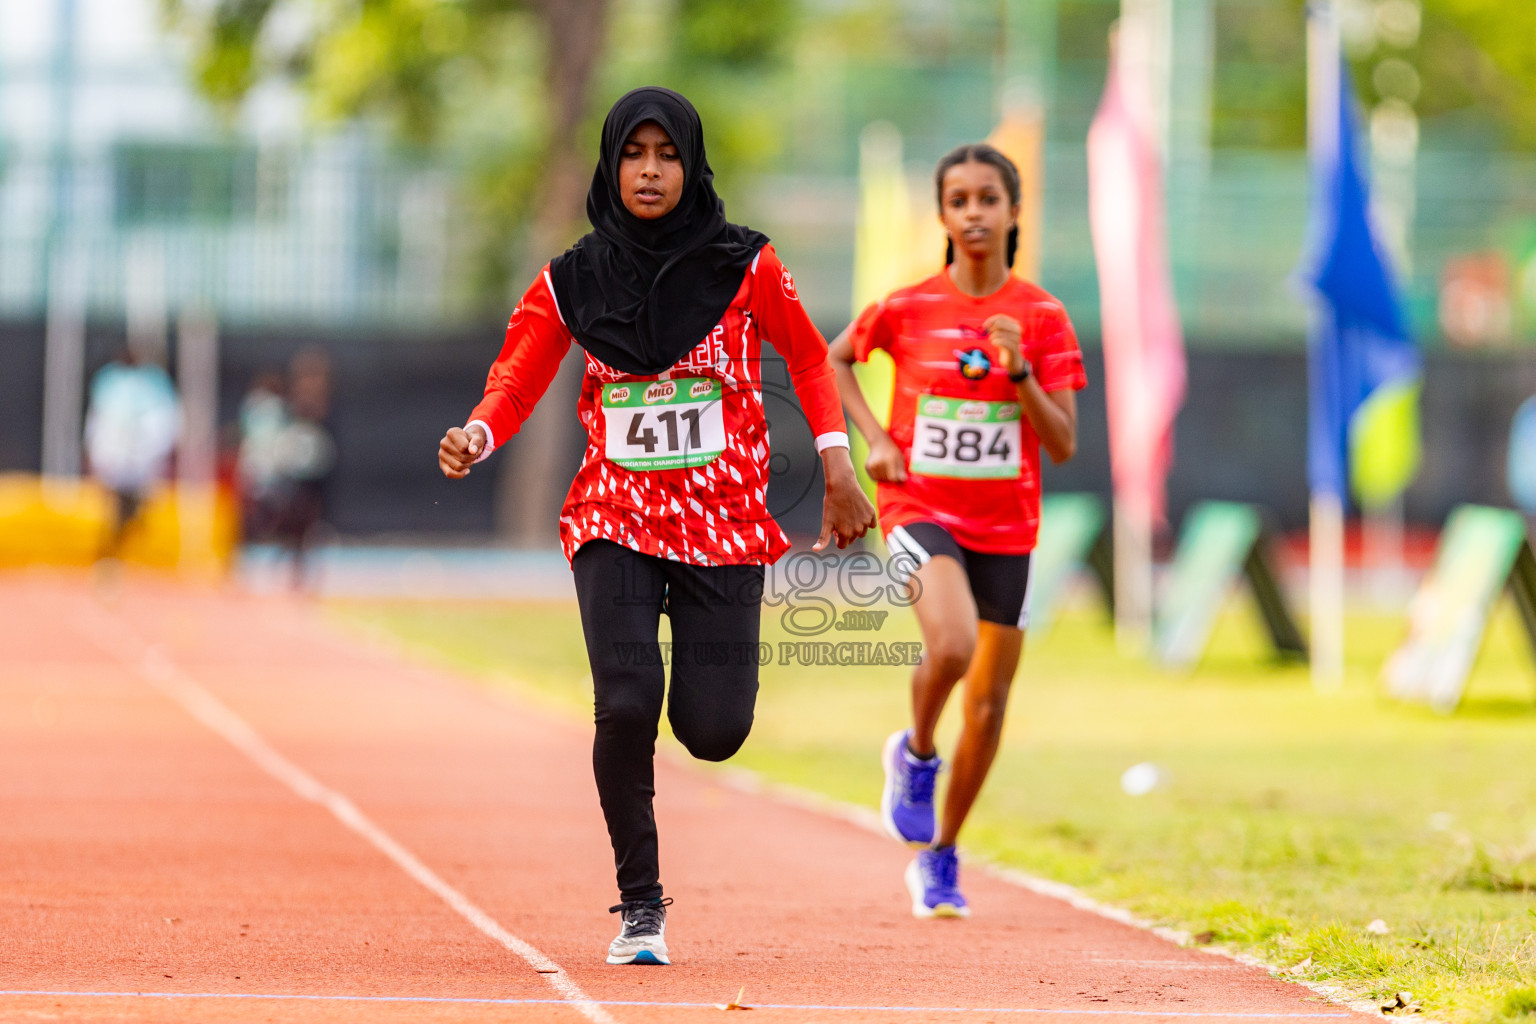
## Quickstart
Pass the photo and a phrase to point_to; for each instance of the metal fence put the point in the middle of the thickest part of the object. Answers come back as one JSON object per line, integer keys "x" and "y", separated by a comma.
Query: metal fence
{"x": 1237, "y": 229}
{"x": 328, "y": 235}
{"x": 344, "y": 234}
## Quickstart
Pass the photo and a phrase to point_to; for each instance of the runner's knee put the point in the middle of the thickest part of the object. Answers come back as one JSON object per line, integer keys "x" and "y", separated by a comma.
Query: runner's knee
{"x": 985, "y": 714}
{"x": 715, "y": 740}
{"x": 950, "y": 657}
{"x": 712, "y": 720}
{"x": 627, "y": 701}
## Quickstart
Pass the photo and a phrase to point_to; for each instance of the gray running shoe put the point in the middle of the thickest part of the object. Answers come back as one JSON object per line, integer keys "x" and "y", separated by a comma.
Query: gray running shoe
{"x": 643, "y": 937}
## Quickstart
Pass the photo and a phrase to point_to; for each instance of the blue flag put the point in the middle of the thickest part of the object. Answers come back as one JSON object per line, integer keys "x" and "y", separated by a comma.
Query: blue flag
{"x": 1363, "y": 368}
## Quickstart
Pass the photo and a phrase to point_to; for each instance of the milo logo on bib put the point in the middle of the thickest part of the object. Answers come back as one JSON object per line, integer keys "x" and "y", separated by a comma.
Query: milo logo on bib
{"x": 664, "y": 424}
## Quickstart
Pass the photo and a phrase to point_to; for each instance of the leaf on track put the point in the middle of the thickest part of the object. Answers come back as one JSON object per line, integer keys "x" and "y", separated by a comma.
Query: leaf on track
{"x": 735, "y": 1004}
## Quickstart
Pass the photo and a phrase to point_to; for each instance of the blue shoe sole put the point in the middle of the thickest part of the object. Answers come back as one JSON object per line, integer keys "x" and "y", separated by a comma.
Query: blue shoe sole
{"x": 645, "y": 956}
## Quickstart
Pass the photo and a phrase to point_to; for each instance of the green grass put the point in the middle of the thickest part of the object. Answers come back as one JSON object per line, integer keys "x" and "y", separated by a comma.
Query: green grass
{"x": 1288, "y": 823}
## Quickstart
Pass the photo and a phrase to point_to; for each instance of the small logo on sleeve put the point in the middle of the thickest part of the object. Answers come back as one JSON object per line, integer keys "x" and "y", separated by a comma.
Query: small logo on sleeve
{"x": 787, "y": 280}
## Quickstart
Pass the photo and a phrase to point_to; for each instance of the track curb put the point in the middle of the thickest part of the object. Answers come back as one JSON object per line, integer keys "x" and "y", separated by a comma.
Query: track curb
{"x": 747, "y": 781}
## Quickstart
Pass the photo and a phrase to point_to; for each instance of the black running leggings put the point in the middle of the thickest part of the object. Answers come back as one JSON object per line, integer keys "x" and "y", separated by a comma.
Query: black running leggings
{"x": 715, "y": 615}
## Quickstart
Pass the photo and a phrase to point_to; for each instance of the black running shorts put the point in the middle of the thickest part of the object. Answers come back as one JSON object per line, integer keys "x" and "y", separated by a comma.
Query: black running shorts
{"x": 999, "y": 583}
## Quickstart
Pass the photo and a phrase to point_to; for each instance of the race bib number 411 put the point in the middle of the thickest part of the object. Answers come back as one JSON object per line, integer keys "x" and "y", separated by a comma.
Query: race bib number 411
{"x": 957, "y": 437}
{"x": 664, "y": 424}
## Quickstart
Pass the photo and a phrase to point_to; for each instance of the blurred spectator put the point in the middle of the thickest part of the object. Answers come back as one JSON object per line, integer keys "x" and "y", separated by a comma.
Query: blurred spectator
{"x": 263, "y": 415}
{"x": 286, "y": 456}
{"x": 306, "y": 453}
{"x": 131, "y": 425}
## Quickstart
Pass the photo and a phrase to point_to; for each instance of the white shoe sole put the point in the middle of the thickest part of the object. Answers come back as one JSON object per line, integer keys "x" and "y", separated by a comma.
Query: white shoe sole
{"x": 648, "y": 950}
{"x": 922, "y": 910}
{"x": 888, "y": 755}
{"x": 650, "y": 956}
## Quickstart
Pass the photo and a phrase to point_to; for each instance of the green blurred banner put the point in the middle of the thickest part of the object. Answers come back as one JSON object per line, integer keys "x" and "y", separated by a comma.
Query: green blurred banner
{"x": 1221, "y": 542}
{"x": 1072, "y": 536}
{"x": 1482, "y": 551}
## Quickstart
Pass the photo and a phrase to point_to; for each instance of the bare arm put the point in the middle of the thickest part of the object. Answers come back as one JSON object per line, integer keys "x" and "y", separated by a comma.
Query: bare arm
{"x": 846, "y": 514}
{"x": 1053, "y": 414}
{"x": 841, "y": 351}
{"x": 884, "y": 462}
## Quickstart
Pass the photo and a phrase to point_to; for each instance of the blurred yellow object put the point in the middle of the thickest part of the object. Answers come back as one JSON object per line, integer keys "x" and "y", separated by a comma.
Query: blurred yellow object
{"x": 55, "y": 522}
{"x": 890, "y": 247}
{"x": 1384, "y": 443}
{"x": 885, "y": 257}
{"x": 69, "y": 522}
{"x": 1020, "y": 136}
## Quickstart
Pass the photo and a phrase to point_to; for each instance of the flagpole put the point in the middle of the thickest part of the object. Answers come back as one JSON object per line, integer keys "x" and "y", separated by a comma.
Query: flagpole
{"x": 1394, "y": 154}
{"x": 1327, "y": 591}
{"x": 1382, "y": 536}
{"x": 197, "y": 374}
{"x": 1134, "y": 576}
{"x": 65, "y": 269}
{"x": 1131, "y": 529}
{"x": 1143, "y": 55}
{"x": 1130, "y": 521}
{"x": 1326, "y": 542}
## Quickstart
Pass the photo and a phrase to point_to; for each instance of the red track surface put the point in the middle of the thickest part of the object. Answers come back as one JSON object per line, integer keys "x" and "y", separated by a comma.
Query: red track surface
{"x": 144, "y": 854}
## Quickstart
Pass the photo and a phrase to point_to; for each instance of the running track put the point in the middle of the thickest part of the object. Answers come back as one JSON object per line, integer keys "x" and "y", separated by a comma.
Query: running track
{"x": 212, "y": 807}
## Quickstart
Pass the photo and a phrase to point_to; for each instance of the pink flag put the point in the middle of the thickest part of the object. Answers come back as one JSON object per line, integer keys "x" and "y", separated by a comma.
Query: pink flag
{"x": 1143, "y": 343}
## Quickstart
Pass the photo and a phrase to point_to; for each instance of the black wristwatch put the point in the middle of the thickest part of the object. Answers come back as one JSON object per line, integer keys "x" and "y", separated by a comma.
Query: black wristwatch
{"x": 1022, "y": 375}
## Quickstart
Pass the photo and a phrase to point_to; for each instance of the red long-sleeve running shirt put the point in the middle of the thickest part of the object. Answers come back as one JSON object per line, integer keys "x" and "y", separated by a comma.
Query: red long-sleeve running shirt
{"x": 676, "y": 464}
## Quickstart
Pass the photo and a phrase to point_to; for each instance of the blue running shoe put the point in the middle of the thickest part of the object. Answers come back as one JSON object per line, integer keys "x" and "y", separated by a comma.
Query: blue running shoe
{"x": 906, "y": 805}
{"x": 933, "y": 879}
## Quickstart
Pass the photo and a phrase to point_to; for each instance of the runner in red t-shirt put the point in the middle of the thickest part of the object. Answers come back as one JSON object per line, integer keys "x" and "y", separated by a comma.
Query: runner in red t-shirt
{"x": 671, "y": 304}
{"x": 987, "y": 367}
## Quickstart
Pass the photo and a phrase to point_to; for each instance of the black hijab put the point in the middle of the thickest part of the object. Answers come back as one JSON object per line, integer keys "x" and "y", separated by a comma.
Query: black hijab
{"x": 639, "y": 294}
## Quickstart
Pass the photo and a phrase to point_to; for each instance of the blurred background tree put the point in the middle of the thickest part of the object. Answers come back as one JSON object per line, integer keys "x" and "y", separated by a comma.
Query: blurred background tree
{"x": 512, "y": 92}
{"x": 1477, "y": 62}
{"x": 471, "y": 79}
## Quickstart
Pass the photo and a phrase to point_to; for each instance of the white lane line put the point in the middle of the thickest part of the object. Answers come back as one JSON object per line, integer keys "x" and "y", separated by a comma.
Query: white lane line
{"x": 170, "y": 679}
{"x": 746, "y": 781}
{"x": 430, "y": 1000}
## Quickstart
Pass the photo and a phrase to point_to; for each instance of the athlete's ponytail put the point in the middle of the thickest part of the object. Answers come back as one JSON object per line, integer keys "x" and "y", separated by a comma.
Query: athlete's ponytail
{"x": 980, "y": 153}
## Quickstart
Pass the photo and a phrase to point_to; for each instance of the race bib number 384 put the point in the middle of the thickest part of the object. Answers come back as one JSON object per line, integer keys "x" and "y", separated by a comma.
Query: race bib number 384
{"x": 956, "y": 437}
{"x": 664, "y": 424}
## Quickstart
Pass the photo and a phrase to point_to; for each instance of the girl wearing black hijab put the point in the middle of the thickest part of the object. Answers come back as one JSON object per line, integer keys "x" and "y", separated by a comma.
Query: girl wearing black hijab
{"x": 671, "y": 304}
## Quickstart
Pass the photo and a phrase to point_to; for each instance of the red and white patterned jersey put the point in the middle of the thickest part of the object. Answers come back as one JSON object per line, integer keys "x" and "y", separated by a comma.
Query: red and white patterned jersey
{"x": 676, "y": 463}
{"x": 948, "y": 382}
